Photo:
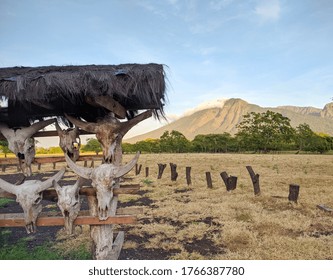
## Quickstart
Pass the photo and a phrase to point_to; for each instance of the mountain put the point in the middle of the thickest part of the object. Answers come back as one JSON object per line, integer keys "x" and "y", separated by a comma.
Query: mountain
{"x": 227, "y": 114}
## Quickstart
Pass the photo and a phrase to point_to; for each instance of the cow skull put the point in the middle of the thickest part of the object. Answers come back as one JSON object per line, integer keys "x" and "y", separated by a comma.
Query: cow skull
{"x": 21, "y": 143}
{"x": 103, "y": 181}
{"x": 110, "y": 132}
{"x": 69, "y": 203}
{"x": 29, "y": 195}
{"x": 69, "y": 141}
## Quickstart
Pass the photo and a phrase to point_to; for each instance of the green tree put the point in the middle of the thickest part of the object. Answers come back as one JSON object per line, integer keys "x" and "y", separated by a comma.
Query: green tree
{"x": 307, "y": 140}
{"x": 92, "y": 146}
{"x": 174, "y": 142}
{"x": 265, "y": 131}
{"x": 213, "y": 143}
{"x": 4, "y": 147}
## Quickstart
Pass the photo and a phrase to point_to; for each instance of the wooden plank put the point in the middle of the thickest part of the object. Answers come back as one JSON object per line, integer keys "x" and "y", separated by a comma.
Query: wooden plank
{"x": 50, "y": 133}
{"x": 15, "y": 220}
{"x": 116, "y": 246}
{"x": 51, "y": 159}
{"x": 51, "y": 194}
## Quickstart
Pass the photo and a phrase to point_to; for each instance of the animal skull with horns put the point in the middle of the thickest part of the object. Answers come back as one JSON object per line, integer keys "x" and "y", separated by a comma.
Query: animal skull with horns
{"x": 29, "y": 195}
{"x": 69, "y": 202}
{"x": 103, "y": 181}
{"x": 69, "y": 141}
{"x": 21, "y": 143}
{"x": 110, "y": 132}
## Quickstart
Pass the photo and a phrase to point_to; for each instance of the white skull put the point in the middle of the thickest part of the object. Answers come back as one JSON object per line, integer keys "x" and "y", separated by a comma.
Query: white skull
{"x": 103, "y": 180}
{"x": 21, "y": 143}
{"x": 110, "y": 132}
{"x": 69, "y": 203}
{"x": 29, "y": 195}
{"x": 69, "y": 141}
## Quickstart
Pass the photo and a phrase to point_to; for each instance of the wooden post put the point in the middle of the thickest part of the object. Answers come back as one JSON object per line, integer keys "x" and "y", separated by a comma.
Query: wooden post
{"x": 85, "y": 163}
{"x": 293, "y": 193}
{"x": 54, "y": 165}
{"x": 138, "y": 169}
{"x": 229, "y": 181}
{"x": 188, "y": 175}
{"x": 174, "y": 173}
{"x": 161, "y": 168}
{"x": 209, "y": 180}
{"x": 39, "y": 166}
{"x": 92, "y": 165}
{"x": 255, "y": 180}
{"x": 147, "y": 171}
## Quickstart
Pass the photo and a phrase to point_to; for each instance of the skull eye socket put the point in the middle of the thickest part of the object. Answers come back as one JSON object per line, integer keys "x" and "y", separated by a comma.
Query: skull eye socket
{"x": 38, "y": 200}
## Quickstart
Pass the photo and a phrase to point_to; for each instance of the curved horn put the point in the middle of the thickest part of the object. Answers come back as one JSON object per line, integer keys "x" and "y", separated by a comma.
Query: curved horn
{"x": 126, "y": 126}
{"x": 128, "y": 167}
{"x": 6, "y": 131}
{"x": 58, "y": 128}
{"x": 79, "y": 170}
{"x": 8, "y": 187}
{"x": 27, "y": 132}
{"x": 90, "y": 127}
{"x": 49, "y": 182}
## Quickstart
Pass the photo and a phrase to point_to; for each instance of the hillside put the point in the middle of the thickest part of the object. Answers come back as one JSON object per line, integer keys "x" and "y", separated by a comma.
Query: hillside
{"x": 225, "y": 118}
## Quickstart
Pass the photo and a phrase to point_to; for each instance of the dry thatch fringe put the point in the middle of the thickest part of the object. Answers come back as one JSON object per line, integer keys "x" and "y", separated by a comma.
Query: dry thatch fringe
{"x": 135, "y": 86}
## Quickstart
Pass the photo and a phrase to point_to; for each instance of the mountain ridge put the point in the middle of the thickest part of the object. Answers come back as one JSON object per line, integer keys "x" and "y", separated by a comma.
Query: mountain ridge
{"x": 225, "y": 118}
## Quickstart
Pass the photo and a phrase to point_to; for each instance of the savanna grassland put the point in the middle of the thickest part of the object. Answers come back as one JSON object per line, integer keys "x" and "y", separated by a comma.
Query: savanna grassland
{"x": 199, "y": 223}
{"x": 195, "y": 222}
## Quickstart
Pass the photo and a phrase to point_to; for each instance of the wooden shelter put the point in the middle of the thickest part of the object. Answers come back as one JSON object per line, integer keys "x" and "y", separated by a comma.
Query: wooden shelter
{"x": 90, "y": 92}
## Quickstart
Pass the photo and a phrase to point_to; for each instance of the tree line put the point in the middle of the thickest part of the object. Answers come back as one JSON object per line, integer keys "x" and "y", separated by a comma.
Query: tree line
{"x": 257, "y": 132}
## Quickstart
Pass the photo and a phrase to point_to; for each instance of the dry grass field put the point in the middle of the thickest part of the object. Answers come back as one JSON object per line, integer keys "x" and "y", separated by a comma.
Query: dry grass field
{"x": 195, "y": 222}
{"x": 200, "y": 223}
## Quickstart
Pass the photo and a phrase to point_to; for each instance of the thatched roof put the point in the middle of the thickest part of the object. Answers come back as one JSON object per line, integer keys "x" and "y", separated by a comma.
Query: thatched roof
{"x": 89, "y": 91}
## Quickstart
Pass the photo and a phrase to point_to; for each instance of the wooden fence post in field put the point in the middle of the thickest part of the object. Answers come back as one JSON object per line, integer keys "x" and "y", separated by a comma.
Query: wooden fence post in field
{"x": 174, "y": 173}
{"x": 85, "y": 163}
{"x": 39, "y": 166}
{"x": 54, "y": 165}
{"x": 293, "y": 193}
{"x": 147, "y": 171}
{"x": 255, "y": 180}
{"x": 161, "y": 168}
{"x": 188, "y": 175}
{"x": 229, "y": 181}
{"x": 209, "y": 180}
{"x": 138, "y": 169}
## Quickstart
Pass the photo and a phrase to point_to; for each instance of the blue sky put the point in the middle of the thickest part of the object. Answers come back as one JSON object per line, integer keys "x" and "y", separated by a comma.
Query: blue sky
{"x": 267, "y": 52}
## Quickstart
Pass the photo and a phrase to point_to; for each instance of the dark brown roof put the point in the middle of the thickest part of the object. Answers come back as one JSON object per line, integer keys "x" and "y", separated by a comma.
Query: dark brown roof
{"x": 89, "y": 91}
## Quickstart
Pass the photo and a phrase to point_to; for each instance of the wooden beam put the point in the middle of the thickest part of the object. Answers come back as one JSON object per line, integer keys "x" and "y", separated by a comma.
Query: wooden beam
{"x": 50, "y": 133}
{"x": 108, "y": 103}
{"x": 116, "y": 246}
{"x": 52, "y": 159}
{"x": 51, "y": 194}
{"x": 15, "y": 220}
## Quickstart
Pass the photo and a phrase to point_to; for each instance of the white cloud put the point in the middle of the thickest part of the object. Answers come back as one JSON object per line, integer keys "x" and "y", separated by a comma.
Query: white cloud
{"x": 268, "y": 10}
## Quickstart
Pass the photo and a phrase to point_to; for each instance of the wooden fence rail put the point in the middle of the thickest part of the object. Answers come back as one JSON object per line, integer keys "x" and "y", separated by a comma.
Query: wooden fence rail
{"x": 5, "y": 162}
